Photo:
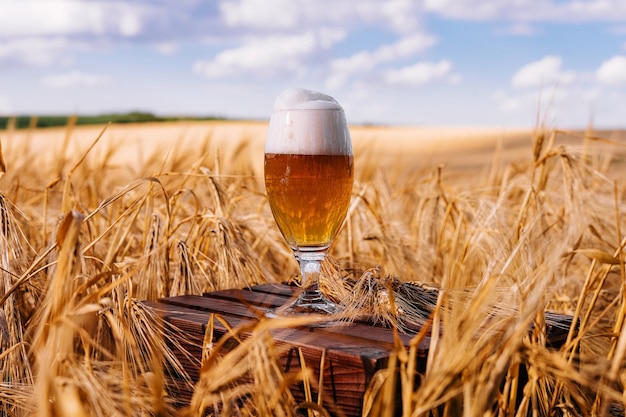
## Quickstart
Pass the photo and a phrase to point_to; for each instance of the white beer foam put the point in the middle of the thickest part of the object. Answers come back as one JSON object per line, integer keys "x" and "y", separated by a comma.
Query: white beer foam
{"x": 301, "y": 99}
{"x": 307, "y": 122}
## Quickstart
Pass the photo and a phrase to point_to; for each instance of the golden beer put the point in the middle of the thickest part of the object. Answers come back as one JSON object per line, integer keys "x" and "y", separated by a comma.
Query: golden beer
{"x": 309, "y": 196}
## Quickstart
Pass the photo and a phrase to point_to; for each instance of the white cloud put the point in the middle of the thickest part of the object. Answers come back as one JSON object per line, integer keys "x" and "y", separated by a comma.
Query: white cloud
{"x": 74, "y": 79}
{"x": 129, "y": 24}
{"x": 35, "y": 51}
{"x": 422, "y": 73}
{"x": 71, "y": 17}
{"x": 558, "y": 106}
{"x": 405, "y": 47}
{"x": 401, "y": 16}
{"x": 362, "y": 62}
{"x": 543, "y": 73}
{"x": 264, "y": 56}
{"x": 344, "y": 68}
{"x": 546, "y": 92}
{"x": 167, "y": 48}
{"x": 274, "y": 14}
{"x": 330, "y": 36}
{"x": 573, "y": 106}
{"x": 613, "y": 71}
{"x": 43, "y": 32}
{"x": 530, "y": 10}
{"x": 464, "y": 9}
{"x": 51, "y": 17}
{"x": 520, "y": 29}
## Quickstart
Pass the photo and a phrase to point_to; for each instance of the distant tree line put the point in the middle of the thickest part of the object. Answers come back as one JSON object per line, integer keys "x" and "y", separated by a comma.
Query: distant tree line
{"x": 24, "y": 121}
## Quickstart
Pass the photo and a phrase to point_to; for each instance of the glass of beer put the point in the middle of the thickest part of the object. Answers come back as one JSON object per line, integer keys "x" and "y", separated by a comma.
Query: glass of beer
{"x": 309, "y": 171}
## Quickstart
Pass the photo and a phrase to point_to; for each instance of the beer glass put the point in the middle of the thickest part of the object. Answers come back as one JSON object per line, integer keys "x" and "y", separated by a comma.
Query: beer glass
{"x": 309, "y": 171}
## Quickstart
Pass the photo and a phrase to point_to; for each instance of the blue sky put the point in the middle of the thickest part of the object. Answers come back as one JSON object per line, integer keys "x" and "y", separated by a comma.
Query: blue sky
{"x": 410, "y": 62}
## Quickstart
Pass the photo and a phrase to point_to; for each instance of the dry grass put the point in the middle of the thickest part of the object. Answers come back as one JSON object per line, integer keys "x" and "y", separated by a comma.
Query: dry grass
{"x": 485, "y": 238}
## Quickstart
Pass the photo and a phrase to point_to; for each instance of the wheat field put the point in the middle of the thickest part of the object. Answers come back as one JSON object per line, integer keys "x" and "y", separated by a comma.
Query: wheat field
{"x": 505, "y": 224}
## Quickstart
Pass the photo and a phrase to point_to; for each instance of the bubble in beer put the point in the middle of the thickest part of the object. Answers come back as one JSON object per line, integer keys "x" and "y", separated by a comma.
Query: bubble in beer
{"x": 306, "y": 122}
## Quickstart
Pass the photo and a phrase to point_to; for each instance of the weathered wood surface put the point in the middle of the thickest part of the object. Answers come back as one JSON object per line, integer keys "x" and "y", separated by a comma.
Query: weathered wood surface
{"x": 353, "y": 353}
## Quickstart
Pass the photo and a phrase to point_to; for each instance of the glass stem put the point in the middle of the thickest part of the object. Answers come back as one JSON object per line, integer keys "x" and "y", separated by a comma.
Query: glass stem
{"x": 310, "y": 299}
{"x": 310, "y": 267}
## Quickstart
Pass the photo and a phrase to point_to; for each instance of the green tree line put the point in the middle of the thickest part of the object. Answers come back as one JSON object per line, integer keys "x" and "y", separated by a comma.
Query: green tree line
{"x": 24, "y": 121}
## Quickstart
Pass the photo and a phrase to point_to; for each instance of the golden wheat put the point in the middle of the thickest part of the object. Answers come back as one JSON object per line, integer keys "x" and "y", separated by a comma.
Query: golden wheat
{"x": 480, "y": 249}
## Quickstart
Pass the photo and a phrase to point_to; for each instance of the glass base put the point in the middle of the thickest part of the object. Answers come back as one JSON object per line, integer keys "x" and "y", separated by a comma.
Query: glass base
{"x": 309, "y": 302}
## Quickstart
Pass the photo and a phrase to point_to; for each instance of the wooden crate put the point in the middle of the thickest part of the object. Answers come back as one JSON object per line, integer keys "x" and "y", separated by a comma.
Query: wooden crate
{"x": 354, "y": 353}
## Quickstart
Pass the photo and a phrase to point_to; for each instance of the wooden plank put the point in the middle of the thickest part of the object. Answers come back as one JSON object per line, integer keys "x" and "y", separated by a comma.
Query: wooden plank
{"x": 557, "y": 325}
{"x": 281, "y": 292}
{"x": 342, "y": 337}
{"x": 232, "y": 308}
